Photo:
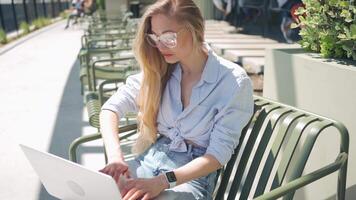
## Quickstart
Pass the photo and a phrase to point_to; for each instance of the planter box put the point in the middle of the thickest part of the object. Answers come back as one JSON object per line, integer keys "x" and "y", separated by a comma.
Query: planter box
{"x": 115, "y": 7}
{"x": 323, "y": 86}
{"x": 206, "y": 8}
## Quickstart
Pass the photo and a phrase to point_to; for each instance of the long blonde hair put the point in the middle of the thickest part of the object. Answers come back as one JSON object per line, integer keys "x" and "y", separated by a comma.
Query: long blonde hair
{"x": 156, "y": 71}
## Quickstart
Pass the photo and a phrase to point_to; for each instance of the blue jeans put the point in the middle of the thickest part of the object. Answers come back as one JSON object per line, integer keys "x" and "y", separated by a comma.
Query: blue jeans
{"x": 158, "y": 158}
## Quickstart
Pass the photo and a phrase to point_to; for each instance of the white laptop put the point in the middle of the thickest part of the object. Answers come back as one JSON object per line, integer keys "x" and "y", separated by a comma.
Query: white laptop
{"x": 70, "y": 181}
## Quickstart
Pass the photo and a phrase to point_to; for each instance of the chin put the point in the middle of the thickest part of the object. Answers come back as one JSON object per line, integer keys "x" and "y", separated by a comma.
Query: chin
{"x": 171, "y": 60}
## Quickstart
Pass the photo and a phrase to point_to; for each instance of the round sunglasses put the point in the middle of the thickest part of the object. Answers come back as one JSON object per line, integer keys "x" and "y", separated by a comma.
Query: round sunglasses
{"x": 167, "y": 39}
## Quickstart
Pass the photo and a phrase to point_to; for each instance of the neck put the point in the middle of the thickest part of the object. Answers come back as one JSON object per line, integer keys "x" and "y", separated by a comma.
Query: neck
{"x": 194, "y": 64}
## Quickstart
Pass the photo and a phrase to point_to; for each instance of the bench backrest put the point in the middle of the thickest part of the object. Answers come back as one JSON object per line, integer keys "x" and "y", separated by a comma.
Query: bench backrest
{"x": 273, "y": 150}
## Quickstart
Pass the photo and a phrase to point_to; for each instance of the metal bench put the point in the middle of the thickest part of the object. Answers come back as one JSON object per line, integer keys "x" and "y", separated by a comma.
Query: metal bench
{"x": 258, "y": 168}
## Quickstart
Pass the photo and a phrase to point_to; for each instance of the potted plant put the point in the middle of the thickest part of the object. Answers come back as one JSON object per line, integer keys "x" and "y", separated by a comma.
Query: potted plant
{"x": 328, "y": 27}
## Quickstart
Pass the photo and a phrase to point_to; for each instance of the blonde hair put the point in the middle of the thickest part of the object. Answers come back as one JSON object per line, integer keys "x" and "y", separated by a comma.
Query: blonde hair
{"x": 156, "y": 71}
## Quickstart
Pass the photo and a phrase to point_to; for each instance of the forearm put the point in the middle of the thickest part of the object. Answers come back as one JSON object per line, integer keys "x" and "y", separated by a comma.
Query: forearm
{"x": 109, "y": 130}
{"x": 199, "y": 167}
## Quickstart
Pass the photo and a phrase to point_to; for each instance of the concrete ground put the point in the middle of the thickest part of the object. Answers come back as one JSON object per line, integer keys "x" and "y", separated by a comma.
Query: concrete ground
{"x": 40, "y": 105}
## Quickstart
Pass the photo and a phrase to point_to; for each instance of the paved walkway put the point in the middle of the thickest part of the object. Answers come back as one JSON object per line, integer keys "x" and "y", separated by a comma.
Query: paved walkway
{"x": 40, "y": 105}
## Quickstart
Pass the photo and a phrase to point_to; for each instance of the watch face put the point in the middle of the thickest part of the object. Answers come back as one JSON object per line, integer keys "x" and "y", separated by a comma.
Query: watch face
{"x": 171, "y": 177}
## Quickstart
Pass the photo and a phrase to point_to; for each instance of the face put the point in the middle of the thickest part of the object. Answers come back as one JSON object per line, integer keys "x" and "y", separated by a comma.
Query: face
{"x": 161, "y": 25}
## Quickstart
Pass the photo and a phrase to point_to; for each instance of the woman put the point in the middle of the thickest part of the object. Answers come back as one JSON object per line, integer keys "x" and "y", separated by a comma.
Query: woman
{"x": 196, "y": 101}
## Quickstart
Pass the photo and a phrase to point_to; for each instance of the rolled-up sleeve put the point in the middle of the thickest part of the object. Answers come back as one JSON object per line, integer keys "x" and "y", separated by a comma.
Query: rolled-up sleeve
{"x": 230, "y": 121}
{"x": 124, "y": 100}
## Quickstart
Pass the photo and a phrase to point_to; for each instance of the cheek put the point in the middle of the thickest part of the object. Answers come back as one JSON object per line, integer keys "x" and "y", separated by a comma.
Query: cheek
{"x": 185, "y": 47}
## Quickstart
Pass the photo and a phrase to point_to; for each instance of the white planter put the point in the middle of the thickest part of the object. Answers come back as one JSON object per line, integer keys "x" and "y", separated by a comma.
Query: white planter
{"x": 206, "y": 8}
{"x": 323, "y": 86}
{"x": 114, "y": 7}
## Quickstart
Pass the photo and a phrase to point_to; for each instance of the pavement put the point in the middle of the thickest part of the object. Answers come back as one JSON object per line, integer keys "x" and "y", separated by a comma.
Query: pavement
{"x": 40, "y": 105}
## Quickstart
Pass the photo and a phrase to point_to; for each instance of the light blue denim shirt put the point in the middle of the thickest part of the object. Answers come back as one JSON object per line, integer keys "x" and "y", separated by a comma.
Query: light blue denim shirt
{"x": 221, "y": 105}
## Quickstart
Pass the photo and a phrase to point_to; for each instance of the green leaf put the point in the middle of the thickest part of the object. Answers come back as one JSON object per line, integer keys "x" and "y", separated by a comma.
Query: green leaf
{"x": 301, "y": 18}
{"x": 341, "y": 36}
{"x": 294, "y": 25}
{"x": 345, "y": 13}
{"x": 353, "y": 30}
{"x": 331, "y": 14}
{"x": 299, "y": 11}
{"x": 344, "y": 4}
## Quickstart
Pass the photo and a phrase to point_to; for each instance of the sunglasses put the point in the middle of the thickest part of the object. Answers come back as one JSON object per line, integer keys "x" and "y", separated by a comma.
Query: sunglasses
{"x": 167, "y": 39}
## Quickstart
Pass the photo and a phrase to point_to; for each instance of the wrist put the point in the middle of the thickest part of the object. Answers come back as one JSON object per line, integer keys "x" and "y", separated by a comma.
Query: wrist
{"x": 170, "y": 178}
{"x": 115, "y": 152}
{"x": 163, "y": 181}
{"x": 116, "y": 158}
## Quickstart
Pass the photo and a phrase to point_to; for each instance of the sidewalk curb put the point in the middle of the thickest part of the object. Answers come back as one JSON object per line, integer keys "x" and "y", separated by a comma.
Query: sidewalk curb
{"x": 23, "y": 39}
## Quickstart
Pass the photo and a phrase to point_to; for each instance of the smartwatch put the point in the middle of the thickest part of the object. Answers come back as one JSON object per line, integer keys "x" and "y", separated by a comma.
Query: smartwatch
{"x": 171, "y": 178}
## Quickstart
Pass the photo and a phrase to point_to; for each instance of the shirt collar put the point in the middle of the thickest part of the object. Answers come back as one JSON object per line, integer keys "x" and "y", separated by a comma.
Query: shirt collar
{"x": 210, "y": 72}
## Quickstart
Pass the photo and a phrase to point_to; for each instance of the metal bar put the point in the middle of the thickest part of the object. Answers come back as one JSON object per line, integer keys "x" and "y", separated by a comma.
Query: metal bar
{"x": 44, "y": 8}
{"x": 305, "y": 151}
{"x": 25, "y": 10}
{"x": 248, "y": 180}
{"x": 344, "y": 147}
{"x": 306, "y": 179}
{"x": 14, "y": 12}
{"x": 247, "y": 147}
{"x": 290, "y": 149}
{"x": 60, "y": 6}
{"x": 2, "y": 18}
{"x": 52, "y": 7}
{"x": 273, "y": 153}
{"x": 35, "y": 7}
{"x": 74, "y": 145}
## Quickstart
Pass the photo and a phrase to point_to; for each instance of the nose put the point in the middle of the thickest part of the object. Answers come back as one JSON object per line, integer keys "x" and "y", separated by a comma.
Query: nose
{"x": 161, "y": 47}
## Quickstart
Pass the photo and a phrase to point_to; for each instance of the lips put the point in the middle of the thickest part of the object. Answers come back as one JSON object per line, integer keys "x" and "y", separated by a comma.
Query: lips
{"x": 167, "y": 55}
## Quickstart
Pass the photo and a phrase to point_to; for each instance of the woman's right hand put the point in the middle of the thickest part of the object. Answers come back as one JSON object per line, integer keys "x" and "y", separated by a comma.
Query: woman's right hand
{"x": 116, "y": 168}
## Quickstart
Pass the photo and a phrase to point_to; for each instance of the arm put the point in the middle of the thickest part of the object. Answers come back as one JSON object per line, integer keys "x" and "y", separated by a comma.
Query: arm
{"x": 109, "y": 130}
{"x": 199, "y": 167}
{"x": 121, "y": 102}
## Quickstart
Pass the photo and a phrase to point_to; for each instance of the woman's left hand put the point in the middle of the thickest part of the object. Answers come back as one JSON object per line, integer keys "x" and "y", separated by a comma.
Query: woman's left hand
{"x": 142, "y": 188}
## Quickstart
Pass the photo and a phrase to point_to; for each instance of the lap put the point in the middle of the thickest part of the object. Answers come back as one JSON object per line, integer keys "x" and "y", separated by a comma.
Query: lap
{"x": 158, "y": 159}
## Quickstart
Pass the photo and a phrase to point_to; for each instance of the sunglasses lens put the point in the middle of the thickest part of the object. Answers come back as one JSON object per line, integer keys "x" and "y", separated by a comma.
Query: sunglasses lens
{"x": 169, "y": 40}
{"x": 152, "y": 40}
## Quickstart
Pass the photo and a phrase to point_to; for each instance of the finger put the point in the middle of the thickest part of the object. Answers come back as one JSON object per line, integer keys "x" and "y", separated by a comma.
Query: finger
{"x": 128, "y": 186}
{"x": 112, "y": 171}
{"x": 104, "y": 170}
{"x": 107, "y": 172}
{"x": 146, "y": 197}
{"x": 128, "y": 195}
{"x": 137, "y": 194}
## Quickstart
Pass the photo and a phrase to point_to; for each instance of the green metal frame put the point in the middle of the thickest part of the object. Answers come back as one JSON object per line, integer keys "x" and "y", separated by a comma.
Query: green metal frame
{"x": 261, "y": 144}
{"x": 111, "y": 71}
{"x": 87, "y": 63}
{"x": 269, "y": 133}
{"x": 124, "y": 131}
